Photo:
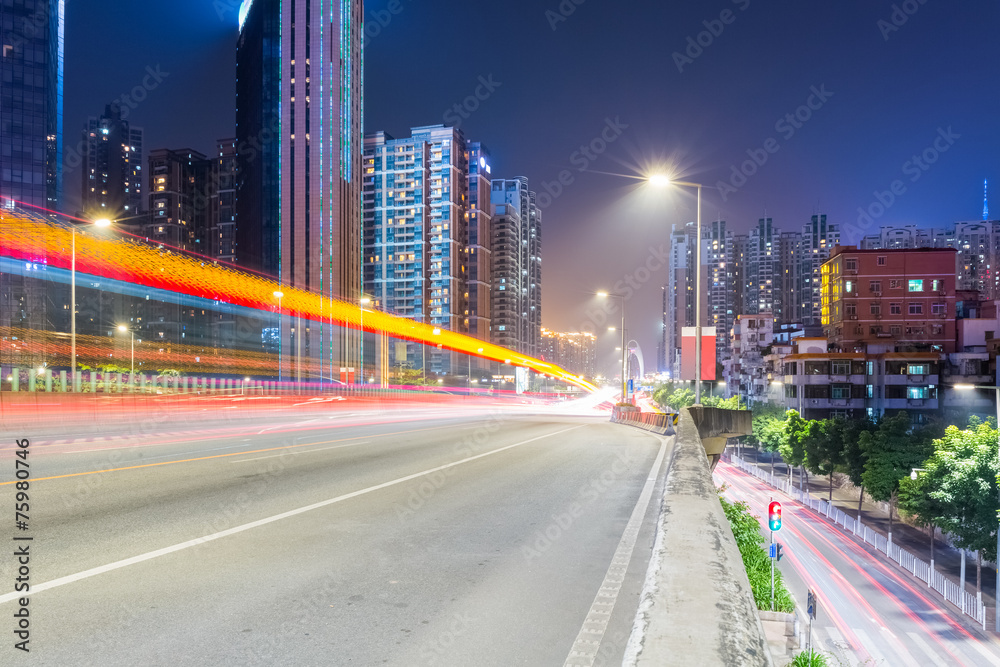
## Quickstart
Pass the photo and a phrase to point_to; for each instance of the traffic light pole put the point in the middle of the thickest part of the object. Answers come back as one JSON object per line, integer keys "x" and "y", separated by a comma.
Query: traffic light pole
{"x": 772, "y": 568}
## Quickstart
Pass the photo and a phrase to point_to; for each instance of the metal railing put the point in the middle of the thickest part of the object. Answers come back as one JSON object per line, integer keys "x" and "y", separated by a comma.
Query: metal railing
{"x": 970, "y": 604}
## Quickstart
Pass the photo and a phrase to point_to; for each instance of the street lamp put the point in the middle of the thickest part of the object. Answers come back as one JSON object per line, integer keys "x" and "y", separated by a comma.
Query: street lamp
{"x": 605, "y": 295}
{"x": 996, "y": 389}
{"x": 123, "y": 329}
{"x": 278, "y": 294}
{"x": 662, "y": 180}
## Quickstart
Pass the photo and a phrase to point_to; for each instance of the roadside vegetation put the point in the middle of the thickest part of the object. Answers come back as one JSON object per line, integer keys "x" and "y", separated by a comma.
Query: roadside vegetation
{"x": 936, "y": 477}
{"x": 750, "y": 540}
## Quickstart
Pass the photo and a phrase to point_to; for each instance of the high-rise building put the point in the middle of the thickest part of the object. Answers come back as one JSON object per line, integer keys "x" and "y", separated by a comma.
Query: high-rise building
{"x": 478, "y": 250}
{"x": 509, "y": 198}
{"x": 222, "y": 219}
{"x": 415, "y": 209}
{"x": 299, "y": 137}
{"x": 31, "y": 144}
{"x": 519, "y": 270}
{"x": 574, "y": 352}
{"x": 533, "y": 264}
{"x": 720, "y": 281}
{"x": 763, "y": 268}
{"x": 111, "y": 169}
{"x": 31, "y": 101}
{"x": 818, "y": 238}
{"x": 180, "y": 187}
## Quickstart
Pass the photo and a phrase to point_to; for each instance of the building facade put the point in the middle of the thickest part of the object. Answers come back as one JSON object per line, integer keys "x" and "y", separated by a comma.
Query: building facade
{"x": 31, "y": 102}
{"x": 478, "y": 250}
{"x": 903, "y": 298}
{"x": 180, "y": 187}
{"x": 299, "y": 137}
{"x": 112, "y": 178}
{"x": 508, "y": 324}
{"x": 574, "y": 352}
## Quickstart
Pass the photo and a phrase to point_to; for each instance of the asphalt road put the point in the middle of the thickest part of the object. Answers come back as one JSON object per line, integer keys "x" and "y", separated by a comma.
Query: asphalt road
{"x": 433, "y": 539}
{"x": 870, "y": 612}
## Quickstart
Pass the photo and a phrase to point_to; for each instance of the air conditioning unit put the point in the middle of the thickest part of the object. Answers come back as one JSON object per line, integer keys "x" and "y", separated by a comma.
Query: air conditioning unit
{"x": 852, "y": 317}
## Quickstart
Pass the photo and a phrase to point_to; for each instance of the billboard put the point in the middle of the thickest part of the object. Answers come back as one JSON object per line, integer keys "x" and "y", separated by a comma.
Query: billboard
{"x": 688, "y": 354}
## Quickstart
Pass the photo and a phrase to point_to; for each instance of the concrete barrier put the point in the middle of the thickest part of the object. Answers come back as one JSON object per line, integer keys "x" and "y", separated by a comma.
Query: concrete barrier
{"x": 696, "y": 607}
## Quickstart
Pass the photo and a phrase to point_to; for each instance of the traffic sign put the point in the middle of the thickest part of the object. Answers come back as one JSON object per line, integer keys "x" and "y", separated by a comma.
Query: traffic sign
{"x": 811, "y": 605}
{"x": 774, "y": 515}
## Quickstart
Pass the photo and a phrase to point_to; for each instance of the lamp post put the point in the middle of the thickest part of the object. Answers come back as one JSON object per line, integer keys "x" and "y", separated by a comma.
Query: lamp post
{"x": 660, "y": 180}
{"x": 605, "y": 295}
{"x": 996, "y": 389}
{"x": 123, "y": 329}
{"x": 278, "y": 294}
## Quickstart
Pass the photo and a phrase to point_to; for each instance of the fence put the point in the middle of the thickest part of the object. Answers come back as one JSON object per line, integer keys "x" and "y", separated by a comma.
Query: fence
{"x": 968, "y": 603}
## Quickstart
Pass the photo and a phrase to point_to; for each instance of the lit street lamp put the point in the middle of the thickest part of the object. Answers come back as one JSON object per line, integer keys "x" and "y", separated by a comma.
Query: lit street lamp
{"x": 661, "y": 180}
{"x": 605, "y": 295}
{"x": 996, "y": 389}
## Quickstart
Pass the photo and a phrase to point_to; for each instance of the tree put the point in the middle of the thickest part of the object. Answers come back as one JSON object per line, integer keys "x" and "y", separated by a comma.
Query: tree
{"x": 825, "y": 449}
{"x": 854, "y": 454}
{"x": 960, "y": 479}
{"x": 893, "y": 451}
{"x": 731, "y": 403}
{"x": 770, "y": 433}
{"x": 917, "y": 503}
{"x": 681, "y": 398}
{"x": 792, "y": 448}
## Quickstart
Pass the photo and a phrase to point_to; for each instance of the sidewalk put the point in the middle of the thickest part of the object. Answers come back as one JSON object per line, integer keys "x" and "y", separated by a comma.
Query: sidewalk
{"x": 947, "y": 559}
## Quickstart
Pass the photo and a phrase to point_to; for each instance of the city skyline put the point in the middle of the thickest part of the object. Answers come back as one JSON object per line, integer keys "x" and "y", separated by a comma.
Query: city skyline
{"x": 898, "y": 103}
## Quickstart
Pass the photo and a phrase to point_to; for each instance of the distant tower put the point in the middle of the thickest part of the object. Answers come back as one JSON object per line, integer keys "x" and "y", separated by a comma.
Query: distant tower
{"x": 986, "y": 203}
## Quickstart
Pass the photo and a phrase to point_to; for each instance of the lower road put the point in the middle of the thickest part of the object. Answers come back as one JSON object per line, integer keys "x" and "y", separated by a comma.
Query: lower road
{"x": 449, "y": 540}
{"x": 870, "y": 612}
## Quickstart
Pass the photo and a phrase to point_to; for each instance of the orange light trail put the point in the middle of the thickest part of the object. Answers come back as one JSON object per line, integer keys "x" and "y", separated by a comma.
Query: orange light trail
{"x": 34, "y": 239}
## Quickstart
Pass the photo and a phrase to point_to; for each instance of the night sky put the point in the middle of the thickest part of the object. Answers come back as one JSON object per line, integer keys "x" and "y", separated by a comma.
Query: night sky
{"x": 889, "y": 87}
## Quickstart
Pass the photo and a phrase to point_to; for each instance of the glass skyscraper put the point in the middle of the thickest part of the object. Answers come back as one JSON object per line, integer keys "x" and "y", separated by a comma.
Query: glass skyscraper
{"x": 299, "y": 139}
{"x": 31, "y": 101}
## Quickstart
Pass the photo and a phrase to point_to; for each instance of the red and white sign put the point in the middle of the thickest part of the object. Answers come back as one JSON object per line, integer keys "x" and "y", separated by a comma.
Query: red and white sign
{"x": 689, "y": 355}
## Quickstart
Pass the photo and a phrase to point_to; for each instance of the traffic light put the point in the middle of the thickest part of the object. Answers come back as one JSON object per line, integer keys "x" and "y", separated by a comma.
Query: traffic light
{"x": 777, "y": 551}
{"x": 774, "y": 515}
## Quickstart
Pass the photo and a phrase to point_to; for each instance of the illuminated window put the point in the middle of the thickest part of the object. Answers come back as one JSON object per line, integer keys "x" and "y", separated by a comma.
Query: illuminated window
{"x": 916, "y": 286}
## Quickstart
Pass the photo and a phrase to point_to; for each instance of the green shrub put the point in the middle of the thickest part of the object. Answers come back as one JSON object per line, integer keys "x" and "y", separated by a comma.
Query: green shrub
{"x": 746, "y": 530}
{"x": 802, "y": 660}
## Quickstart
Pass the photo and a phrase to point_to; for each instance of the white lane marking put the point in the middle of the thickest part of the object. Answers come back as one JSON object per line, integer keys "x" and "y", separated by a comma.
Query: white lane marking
{"x": 94, "y": 571}
{"x": 991, "y": 658}
{"x": 928, "y": 652}
{"x": 584, "y": 651}
{"x": 902, "y": 652}
{"x": 869, "y": 646}
{"x": 300, "y": 451}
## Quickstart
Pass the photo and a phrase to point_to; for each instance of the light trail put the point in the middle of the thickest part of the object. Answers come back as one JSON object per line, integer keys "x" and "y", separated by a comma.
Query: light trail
{"x": 40, "y": 240}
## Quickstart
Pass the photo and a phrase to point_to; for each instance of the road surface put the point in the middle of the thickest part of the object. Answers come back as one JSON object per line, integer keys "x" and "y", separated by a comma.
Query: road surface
{"x": 347, "y": 540}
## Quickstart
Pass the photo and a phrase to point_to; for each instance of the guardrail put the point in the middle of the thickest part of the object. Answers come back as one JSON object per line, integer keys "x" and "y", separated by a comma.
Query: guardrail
{"x": 968, "y": 603}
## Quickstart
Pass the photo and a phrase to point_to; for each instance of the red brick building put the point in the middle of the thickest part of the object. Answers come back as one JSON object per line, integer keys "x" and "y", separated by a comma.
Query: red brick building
{"x": 901, "y": 300}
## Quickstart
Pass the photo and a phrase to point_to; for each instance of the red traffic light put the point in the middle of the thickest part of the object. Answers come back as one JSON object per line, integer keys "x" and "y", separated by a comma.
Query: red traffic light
{"x": 774, "y": 515}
